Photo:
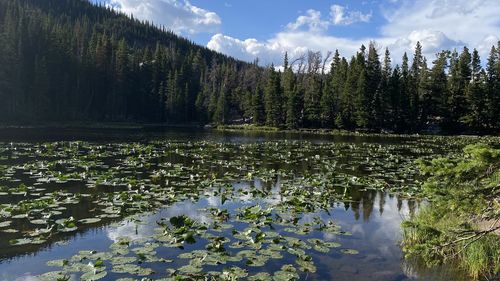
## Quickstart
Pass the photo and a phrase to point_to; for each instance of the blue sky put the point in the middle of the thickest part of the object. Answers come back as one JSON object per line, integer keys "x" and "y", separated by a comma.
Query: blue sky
{"x": 268, "y": 28}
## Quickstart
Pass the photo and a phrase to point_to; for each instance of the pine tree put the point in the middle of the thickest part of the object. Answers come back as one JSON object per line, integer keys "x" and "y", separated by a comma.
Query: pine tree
{"x": 272, "y": 98}
{"x": 492, "y": 92}
{"x": 424, "y": 96}
{"x": 346, "y": 116}
{"x": 476, "y": 116}
{"x": 384, "y": 110}
{"x": 120, "y": 90}
{"x": 414, "y": 89}
{"x": 221, "y": 112}
{"x": 398, "y": 100}
{"x": 292, "y": 106}
{"x": 329, "y": 100}
{"x": 460, "y": 75}
{"x": 404, "y": 98}
{"x": 374, "y": 102}
{"x": 258, "y": 115}
{"x": 434, "y": 104}
{"x": 362, "y": 102}
{"x": 362, "y": 95}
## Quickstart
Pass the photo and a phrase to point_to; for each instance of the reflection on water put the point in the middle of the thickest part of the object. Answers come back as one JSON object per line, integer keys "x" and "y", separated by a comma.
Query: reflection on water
{"x": 370, "y": 219}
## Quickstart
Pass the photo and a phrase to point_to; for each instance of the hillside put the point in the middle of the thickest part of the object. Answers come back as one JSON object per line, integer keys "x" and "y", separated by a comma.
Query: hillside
{"x": 70, "y": 60}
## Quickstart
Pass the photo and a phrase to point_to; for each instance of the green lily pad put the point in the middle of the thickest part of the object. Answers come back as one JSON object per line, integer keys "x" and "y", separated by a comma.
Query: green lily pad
{"x": 89, "y": 220}
{"x": 350, "y": 251}
{"x": 92, "y": 275}
{"x": 53, "y": 275}
{"x": 261, "y": 276}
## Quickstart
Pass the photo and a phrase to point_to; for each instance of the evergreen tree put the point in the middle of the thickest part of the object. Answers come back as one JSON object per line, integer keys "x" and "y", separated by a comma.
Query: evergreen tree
{"x": 272, "y": 98}
{"x": 374, "y": 102}
{"x": 398, "y": 100}
{"x": 460, "y": 75}
{"x": 492, "y": 93}
{"x": 385, "y": 106}
{"x": 404, "y": 98}
{"x": 362, "y": 96}
{"x": 346, "y": 117}
{"x": 362, "y": 102}
{"x": 313, "y": 90}
{"x": 434, "y": 104}
{"x": 476, "y": 117}
{"x": 72, "y": 60}
{"x": 221, "y": 112}
{"x": 292, "y": 106}
{"x": 414, "y": 89}
{"x": 258, "y": 115}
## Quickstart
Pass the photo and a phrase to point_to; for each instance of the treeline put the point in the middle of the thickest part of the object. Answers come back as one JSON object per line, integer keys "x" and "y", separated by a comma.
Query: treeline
{"x": 454, "y": 93}
{"x": 64, "y": 60}
{"x": 69, "y": 60}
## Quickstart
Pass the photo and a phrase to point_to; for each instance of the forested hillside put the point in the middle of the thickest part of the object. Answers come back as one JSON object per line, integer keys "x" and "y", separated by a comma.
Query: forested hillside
{"x": 68, "y": 60}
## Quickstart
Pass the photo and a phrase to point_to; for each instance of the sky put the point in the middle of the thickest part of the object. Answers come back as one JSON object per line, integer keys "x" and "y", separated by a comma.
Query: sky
{"x": 266, "y": 29}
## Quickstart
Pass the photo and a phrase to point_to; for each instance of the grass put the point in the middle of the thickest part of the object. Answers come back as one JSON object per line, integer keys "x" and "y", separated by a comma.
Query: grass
{"x": 247, "y": 127}
{"x": 463, "y": 190}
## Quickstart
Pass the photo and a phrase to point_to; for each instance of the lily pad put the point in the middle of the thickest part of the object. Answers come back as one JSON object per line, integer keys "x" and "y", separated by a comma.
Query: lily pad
{"x": 350, "y": 251}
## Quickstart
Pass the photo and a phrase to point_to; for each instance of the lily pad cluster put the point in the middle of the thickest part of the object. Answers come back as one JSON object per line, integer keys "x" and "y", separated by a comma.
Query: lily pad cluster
{"x": 274, "y": 202}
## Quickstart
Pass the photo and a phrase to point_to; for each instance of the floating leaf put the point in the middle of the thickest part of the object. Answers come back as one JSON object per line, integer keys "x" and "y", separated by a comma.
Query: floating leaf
{"x": 349, "y": 251}
{"x": 89, "y": 220}
{"x": 92, "y": 275}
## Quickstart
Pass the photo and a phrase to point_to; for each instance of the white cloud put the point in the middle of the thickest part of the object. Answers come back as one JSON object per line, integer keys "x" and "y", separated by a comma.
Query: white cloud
{"x": 340, "y": 16}
{"x": 145, "y": 229}
{"x": 306, "y": 33}
{"x": 178, "y": 15}
{"x": 312, "y": 19}
{"x": 469, "y": 21}
{"x": 436, "y": 24}
{"x": 248, "y": 49}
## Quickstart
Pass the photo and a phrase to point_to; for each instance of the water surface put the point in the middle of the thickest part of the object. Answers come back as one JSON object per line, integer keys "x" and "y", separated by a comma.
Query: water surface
{"x": 246, "y": 193}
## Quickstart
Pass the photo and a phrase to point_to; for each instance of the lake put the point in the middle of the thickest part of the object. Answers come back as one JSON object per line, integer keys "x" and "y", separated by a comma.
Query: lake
{"x": 195, "y": 204}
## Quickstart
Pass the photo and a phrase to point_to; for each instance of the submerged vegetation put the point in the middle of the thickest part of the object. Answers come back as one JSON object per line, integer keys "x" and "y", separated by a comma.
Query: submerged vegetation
{"x": 462, "y": 221}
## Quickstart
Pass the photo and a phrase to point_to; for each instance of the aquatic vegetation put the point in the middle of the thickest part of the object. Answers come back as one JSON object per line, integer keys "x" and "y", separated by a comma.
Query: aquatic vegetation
{"x": 266, "y": 212}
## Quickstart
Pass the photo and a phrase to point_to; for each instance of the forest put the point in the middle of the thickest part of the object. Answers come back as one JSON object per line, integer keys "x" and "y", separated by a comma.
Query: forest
{"x": 70, "y": 60}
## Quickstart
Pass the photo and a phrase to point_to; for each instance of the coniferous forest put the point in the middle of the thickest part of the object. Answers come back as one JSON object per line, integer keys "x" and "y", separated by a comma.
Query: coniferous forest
{"x": 69, "y": 60}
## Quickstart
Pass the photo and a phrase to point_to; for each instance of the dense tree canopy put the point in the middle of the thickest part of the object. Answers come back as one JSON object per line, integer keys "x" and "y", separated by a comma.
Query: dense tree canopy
{"x": 73, "y": 61}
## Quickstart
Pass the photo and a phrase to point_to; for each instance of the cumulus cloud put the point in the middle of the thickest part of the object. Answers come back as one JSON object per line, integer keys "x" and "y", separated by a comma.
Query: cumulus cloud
{"x": 436, "y": 24}
{"x": 248, "y": 49}
{"x": 312, "y": 19}
{"x": 179, "y": 16}
{"x": 295, "y": 43}
{"x": 469, "y": 21}
{"x": 307, "y": 32}
{"x": 341, "y": 16}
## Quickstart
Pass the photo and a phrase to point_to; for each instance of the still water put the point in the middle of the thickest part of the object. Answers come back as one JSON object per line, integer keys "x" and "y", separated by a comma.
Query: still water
{"x": 105, "y": 205}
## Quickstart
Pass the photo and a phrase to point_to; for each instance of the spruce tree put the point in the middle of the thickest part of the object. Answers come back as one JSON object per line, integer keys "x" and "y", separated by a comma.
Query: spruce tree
{"x": 346, "y": 117}
{"x": 492, "y": 92}
{"x": 272, "y": 98}
{"x": 373, "y": 98}
{"x": 476, "y": 116}
{"x": 292, "y": 102}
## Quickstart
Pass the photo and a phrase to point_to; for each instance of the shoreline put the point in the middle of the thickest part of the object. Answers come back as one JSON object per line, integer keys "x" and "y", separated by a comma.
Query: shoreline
{"x": 336, "y": 132}
{"x": 227, "y": 128}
